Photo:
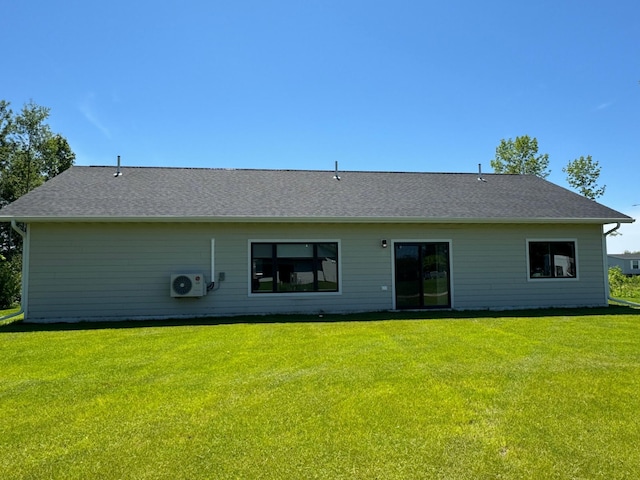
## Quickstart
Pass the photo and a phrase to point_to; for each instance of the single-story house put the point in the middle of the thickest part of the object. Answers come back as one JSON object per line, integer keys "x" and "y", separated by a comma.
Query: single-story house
{"x": 629, "y": 263}
{"x": 147, "y": 242}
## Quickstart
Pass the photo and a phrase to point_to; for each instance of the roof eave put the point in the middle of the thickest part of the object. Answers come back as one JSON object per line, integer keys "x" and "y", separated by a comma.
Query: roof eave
{"x": 258, "y": 219}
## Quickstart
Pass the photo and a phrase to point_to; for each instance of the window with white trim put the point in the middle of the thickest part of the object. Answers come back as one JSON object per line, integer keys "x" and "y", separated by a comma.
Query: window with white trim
{"x": 292, "y": 267}
{"x": 552, "y": 259}
{"x": 635, "y": 264}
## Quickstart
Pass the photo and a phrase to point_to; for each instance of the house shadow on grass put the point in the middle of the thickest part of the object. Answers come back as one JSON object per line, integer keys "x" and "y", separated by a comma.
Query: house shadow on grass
{"x": 20, "y": 326}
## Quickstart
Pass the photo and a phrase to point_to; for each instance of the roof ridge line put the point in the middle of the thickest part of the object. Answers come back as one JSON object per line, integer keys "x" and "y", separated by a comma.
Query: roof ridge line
{"x": 225, "y": 169}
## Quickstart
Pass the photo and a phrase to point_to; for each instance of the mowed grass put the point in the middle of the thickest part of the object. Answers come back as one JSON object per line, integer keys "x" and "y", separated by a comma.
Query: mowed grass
{"x": 549, "y": 395}
{"x": 8, "y": 313}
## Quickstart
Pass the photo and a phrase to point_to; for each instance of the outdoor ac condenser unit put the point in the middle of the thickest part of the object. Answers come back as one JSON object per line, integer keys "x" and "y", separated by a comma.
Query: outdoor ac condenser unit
{"x": 187, "y": 285}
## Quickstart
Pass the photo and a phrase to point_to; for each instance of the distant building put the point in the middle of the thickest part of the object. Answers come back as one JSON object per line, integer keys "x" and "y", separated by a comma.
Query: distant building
{"x": 628, "y": 262}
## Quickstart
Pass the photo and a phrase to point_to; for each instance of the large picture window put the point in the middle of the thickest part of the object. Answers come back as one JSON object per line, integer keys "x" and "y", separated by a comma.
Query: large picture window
{"x": 294, "y": 267}
{"x": 552, "y": 259}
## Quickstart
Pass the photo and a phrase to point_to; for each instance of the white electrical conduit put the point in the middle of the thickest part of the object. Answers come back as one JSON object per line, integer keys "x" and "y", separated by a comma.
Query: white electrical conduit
{"x": 214, "y": 285}
{"x": 613, "y": 299}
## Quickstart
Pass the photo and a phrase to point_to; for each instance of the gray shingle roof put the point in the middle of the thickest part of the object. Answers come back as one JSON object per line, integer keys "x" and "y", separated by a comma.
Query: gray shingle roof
{"x": 625, "y": 256}
{"x": 192, "y": 194}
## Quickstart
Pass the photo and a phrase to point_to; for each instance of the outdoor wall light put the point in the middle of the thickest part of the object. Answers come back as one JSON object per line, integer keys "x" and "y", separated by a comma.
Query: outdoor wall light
{"x": 383, "y": 243}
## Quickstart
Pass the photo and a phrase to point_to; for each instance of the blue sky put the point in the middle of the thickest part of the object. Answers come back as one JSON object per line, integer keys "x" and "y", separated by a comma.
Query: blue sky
{"x": 406, "y": 85}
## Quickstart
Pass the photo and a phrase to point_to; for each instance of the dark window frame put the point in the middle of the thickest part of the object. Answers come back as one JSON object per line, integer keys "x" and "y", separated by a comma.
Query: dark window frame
{"x": 282, "y": 270}
{"x": 555, "y": 259}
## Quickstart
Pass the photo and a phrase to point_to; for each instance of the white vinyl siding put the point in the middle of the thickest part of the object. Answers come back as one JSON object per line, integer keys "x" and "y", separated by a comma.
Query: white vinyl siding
{"x": 491, "y": 268}
{"x": 95, "y": 271}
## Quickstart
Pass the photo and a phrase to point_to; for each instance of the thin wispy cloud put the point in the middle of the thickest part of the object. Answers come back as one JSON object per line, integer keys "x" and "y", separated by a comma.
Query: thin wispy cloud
{"x": 604, "y": 106}
{"x": 86, "y": 107}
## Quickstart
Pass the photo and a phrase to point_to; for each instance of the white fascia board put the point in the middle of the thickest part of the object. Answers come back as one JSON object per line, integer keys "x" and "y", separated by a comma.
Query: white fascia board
{"x": 251, "y": 219}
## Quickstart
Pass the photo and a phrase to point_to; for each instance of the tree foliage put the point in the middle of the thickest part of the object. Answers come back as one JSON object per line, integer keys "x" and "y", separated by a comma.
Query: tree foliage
{"x": 10, "y": 279}
{"x": 621, "y": 286}
{"x": 520, "y": 156}
{"x": 30, "y": 154}
{"x": 582, "y": 174}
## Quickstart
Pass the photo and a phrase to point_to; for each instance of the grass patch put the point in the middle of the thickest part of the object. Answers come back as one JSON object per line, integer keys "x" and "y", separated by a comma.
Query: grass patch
{"x": 7, "y": 312}
{"x": 626, "y": 299}
{"x": 553, "y": 394}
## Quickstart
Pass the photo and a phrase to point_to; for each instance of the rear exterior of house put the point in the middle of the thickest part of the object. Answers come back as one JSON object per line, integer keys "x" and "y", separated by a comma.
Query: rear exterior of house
{"x": 123, "y": 270}
{"x": 178, "y": 243}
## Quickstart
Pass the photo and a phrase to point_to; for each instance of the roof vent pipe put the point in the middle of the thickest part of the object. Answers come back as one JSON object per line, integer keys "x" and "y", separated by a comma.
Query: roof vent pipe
{"x": 336, "y": 176}
{"x": 118, "y": 172}
{"x": 480, "y": 177}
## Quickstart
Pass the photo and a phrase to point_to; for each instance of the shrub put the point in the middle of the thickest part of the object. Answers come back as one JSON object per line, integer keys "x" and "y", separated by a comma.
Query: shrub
{"x": 622, "y": 286}
{"x": 10, "y": 279}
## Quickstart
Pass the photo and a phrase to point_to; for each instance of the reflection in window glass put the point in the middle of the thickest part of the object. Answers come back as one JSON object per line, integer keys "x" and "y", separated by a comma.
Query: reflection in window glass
{"x": 294, "y": 250}
{"x": 552, "y": 260}
{"x": 294, "y": 267}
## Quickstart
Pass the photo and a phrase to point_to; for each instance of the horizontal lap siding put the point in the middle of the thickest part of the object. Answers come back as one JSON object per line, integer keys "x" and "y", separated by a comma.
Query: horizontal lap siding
{"x": 489, "y": 264}
{"x": 490, "y": 268}
{"x": 93, "y": 271}
{"x": 359, "y": 290}
{"x": 90, "y": 271}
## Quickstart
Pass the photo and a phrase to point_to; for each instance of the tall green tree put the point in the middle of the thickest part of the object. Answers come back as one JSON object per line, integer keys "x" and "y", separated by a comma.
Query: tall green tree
{"x": 583, "y": 174}
{"x": 520, "y": 156}
{"x": 30, "y": 154}
{"x": 6, "y": 125}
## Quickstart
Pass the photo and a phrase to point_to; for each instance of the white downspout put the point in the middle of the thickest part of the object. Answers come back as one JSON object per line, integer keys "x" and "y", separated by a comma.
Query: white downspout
{"x": 606, "y": 275}
{"x": 25, "y": 271}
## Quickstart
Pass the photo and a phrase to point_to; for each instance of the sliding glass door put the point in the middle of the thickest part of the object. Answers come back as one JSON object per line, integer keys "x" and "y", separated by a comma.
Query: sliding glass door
{"x": 422, "y": 275}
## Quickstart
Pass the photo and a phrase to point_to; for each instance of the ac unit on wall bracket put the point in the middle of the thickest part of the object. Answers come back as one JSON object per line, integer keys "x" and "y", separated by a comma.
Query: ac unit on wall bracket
{"x": 187, "y": 285}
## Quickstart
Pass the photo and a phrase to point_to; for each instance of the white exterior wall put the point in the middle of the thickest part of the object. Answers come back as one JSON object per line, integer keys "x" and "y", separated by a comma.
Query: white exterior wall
{"x": 99, "y": 271}
{"x": 491, "y": 268}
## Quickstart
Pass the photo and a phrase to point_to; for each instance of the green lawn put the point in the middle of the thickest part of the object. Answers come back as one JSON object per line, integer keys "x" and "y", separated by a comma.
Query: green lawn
{"x": 548, "y": 394}
{"x": 627, "y": 299}
{"x": 8, "y": 312}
